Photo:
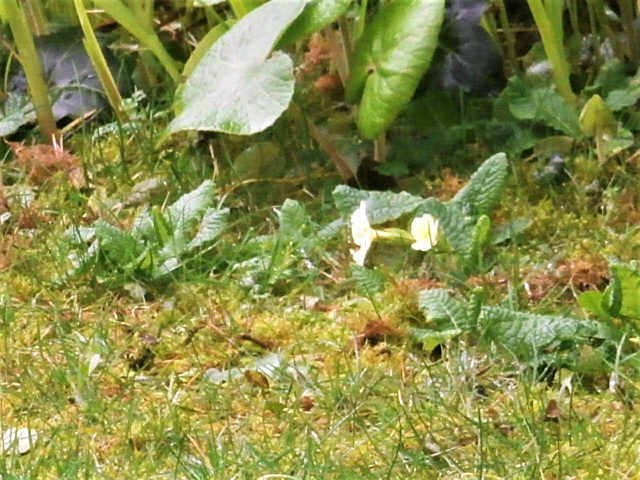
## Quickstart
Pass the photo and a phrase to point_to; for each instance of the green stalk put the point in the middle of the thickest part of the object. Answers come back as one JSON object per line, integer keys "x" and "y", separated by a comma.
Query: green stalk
{"x": 573, "y": 17}
{"x": 553, "y": 47}
{"x": 555, "y": 10}
{"x": 594, "y": 30}
{"x": 242, "y": 7}
{"x": 32, "y": 69}
{"x": 99, "y": 63}
{"x": 509, "y": 38}
{"x": 36, "y": 17}
{"x": 362, "y": 19}
{"x": 188, "y": 12}
{"x": 143, "y": 32}
{"x": 627, "y": 14}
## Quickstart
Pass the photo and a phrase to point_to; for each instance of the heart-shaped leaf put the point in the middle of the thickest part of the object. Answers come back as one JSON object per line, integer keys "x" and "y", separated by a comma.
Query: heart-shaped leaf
{"x": 236, "y": 88}
{"x": 393, "y": 53}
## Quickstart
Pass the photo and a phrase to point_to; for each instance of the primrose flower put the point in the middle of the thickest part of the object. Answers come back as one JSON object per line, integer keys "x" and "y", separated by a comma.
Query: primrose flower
{"x": 362, "y": 233}
{"x": 424, "y": 230}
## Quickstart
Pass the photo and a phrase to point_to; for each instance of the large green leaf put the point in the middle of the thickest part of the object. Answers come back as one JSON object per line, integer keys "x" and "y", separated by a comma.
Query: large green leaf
{"x": 442, "y": 310}
{"x": 543, "y": 105}
{"x": 390, "y": 58}
{"x": 381, "y": 206}
{"x": 183, "y": 216}
{"x": 485, "y": 187}
{"x": 368, "y": 282}
{"x": 118, "y": 246}
{"x": 236, "y": 88}
{"x": 527, "y": 335}
{"x": 316, "y": 15}
{"x": 294, "y": 221}
{"x": 592, "y": 301}
{"x": 214, "y": 223}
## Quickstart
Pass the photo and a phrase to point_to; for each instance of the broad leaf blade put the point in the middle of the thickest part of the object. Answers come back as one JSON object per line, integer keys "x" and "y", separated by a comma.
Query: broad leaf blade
{"x": 543, "y": 105}
{"x": 119, "y": 247}
{"x": 293, "y": 220}
{"x": 381, "y": 206}
{"x": 190, "y": 207}
{"x": 214, "y": 223}
{"x": 15, "y": 112}
{"x": 75, "y": 88}
{"x": 390, "y": 58}
{"x": 485, "y": 187}
{"x": 527, "y": 335}
{"x": 368, "y": 282}
{"x": 592, "y": 302}
{"x": 430, "y": 339}
{"x": 236, "y": 88}
{"x": 183, "y": 215}
{"x": 442, "y": 310}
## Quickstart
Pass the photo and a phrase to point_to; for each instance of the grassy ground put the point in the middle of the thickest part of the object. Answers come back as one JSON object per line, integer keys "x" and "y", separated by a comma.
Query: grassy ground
{"x": 206, "y": 378}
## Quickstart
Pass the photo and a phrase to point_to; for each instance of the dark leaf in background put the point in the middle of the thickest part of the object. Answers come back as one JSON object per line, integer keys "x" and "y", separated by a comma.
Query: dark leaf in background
{"x": 467, "y": 58}
{"x": 73, "y": 82}
{"x": 553, "y": 173}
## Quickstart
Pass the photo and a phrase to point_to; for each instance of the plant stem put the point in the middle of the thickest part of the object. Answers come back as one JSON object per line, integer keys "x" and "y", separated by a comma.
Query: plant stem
{"x": 631, "y": 34}
{"x": 242, "y": 7}
{"x": 602, "y": 157}
{"x": 380, "y": 148}
{"x": 32, "y": 69}
{"x": 550, "y": 32}
{"x": 99, "y": 63}
{"x": 33, "y": 12}
{"x": 338, "y": 52}
{"x": 362, "y": 19}
{"x": 143, "y": 32}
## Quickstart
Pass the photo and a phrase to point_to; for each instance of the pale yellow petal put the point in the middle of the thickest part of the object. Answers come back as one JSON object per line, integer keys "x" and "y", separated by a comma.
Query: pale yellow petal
{"x": 425, "y": 232}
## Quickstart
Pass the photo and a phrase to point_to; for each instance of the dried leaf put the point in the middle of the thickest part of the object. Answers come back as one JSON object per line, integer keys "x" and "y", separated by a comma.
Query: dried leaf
{"x": 256, "y": 378}
{"x": 43, "y": 161}
{"x": 330, "y": 86}
{"x": 375, "y": 332}
{"x": 553, "y": 413}
{"x": 307, "y": 400}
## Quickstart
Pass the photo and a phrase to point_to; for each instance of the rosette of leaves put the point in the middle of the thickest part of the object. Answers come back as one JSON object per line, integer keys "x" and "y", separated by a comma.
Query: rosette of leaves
{"x": 295, "y": 252}
{"x": 157, "y": 244}
{"x": 531, "y": 338}
{"x": 464, "y": 219}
